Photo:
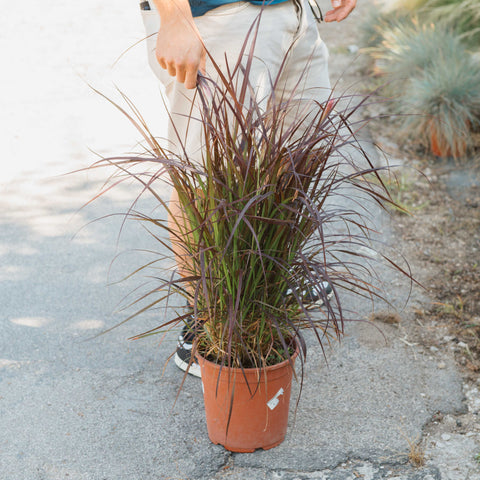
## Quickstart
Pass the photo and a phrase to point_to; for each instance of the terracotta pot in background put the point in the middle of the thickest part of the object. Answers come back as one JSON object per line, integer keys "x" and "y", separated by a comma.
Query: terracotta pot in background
{"x": 442, "y": 149}
{"x": 259, "y": 415}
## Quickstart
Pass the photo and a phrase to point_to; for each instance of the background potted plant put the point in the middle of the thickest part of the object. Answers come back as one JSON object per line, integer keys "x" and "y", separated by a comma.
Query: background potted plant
{"x": 432, "y": 71}
{"x": 447, "y": 97}
{"x": 261, "y": 228}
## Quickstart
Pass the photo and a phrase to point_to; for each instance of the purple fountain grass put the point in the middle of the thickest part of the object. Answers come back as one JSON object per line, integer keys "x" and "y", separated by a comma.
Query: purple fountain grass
{"x": 260, "y": 217}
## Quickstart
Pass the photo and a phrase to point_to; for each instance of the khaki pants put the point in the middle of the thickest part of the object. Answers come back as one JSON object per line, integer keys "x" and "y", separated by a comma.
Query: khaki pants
{"x": 224, "y": 29}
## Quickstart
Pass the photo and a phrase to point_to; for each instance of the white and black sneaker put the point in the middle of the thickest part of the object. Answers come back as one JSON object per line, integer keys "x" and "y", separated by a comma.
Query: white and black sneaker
{"x": 311, "y": 296}
{"x": 183, "y": 355}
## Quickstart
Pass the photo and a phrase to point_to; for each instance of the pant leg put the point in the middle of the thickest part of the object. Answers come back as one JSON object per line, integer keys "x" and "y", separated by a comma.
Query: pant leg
{"x": 305, "y": 76}
{"x": 308, "y": 58}
{"x": 224, "y": 31}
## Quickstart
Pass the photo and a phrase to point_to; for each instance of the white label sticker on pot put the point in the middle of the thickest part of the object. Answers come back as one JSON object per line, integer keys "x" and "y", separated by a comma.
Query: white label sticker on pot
{"x": 274, "y": 401}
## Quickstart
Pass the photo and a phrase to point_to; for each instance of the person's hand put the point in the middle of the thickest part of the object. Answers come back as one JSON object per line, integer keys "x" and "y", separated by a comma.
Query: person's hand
{"x": 341, "y": 10}
{"x": 180, "y": 50}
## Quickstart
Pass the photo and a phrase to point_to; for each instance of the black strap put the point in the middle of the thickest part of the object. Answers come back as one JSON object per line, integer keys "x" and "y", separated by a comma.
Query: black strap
{"x": 316, "y": 10}
{"x": 145, "y": 6}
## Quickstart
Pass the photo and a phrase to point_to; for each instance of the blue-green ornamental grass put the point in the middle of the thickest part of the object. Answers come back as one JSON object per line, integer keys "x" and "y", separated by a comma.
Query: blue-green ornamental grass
{"x": 409, "y": 48}
{"x": 462, "y": 16}
{"x": 374, "y": 25}
{"x": 446, "y": 100}
{"x": 435, "y": 80}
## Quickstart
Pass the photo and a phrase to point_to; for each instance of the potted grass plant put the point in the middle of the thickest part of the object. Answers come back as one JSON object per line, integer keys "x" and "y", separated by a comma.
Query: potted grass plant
{"x": 261, "y": 227}
{"x": 447, "y": 98}
{"x": 437, "y": 84}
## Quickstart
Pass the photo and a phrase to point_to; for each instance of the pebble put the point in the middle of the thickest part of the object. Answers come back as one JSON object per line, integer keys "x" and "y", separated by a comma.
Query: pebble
{"x": 353, "y": 48}
{"x": 462, "y": 345}
{"x": 433, "y": 349}
{"x": 442, "y": 365}
{"x": 446, "y": 436}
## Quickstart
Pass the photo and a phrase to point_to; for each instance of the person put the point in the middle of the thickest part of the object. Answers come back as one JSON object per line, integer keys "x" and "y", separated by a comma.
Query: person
{"x": 179, "y": 34}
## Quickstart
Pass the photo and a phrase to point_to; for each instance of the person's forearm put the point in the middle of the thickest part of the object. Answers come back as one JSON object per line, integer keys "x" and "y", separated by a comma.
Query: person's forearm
{"x": 173, "y": 10}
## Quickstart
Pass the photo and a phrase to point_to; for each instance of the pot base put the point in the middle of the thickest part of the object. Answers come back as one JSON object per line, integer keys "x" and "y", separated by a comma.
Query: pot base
{"x": 246, "y": 449}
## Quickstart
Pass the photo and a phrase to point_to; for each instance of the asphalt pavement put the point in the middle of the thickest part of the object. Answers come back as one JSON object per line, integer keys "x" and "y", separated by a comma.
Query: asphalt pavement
{"x": 81, "y": 406}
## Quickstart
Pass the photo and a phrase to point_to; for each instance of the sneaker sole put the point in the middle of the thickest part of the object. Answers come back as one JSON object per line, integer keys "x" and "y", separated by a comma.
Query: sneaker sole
{"x": 192, "y": 369}
{"x": 320, "y": 302}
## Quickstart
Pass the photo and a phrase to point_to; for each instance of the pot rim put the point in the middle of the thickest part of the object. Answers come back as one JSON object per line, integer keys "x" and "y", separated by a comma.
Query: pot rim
{"x": 269, "y": 368}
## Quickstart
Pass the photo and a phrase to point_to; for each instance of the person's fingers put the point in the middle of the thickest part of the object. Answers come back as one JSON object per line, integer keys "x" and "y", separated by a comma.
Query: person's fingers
{"x": 341, "y": 10}
{"x": 181, "y": 73}
{"x": 182, "y": 58}
{"x": 337, "y": 15}
{"x": 342, "y": 13}
{"x": 330, "y": 16}
{"x": 172, "y": 71}
{"x": 160, "y": 59}
{"x": 191, "y": 77}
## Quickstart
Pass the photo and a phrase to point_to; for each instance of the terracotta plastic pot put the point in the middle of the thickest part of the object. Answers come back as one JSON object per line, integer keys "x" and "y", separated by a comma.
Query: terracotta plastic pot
{"x": 258, "y": 416}
{"x": 445, "y": 150}
{"x": 436, "y": 149}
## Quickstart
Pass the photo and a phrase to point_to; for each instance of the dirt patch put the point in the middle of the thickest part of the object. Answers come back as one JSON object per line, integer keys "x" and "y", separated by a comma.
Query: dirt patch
{"x": 440, "y": 238}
